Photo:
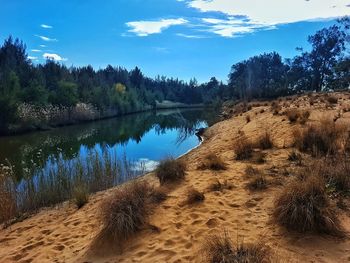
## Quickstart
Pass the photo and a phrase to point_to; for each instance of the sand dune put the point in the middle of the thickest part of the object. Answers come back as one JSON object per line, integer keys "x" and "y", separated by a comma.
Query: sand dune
{"x": 65, "y": 234}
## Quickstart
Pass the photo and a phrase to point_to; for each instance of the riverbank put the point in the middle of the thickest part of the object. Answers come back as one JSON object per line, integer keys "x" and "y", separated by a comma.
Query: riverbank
{"x": 64, "y": 234}
{"x": 32, "y": 118}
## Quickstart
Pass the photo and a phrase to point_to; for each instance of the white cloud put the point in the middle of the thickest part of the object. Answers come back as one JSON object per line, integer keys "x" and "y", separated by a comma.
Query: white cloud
{"x": 272, "y": 12}
{"x": 42, "y": 45}
{"x": 54, "y": 56}
{"x": 32, "y": 58}
{"x": 145, "y": 28}
{"x": 46, "y": 26}
{"x": 47, "y": 39}
{"x": 247, "y": 16}
{"x": 35, "y": 50}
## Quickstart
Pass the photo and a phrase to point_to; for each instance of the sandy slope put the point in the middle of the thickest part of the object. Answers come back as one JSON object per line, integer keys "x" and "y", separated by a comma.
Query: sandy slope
{"x": 64, "y": 234}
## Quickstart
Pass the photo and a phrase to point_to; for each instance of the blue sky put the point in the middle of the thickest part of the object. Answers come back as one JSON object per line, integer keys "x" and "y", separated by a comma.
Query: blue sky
{"x": 176, "y": 38}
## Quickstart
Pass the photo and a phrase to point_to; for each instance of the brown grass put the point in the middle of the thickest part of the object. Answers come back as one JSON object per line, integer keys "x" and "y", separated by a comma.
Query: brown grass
{"x": 275, "y": 108}
{"x": 247, "y": 118}
{"x": 332, "y": 99}
{"x": 217, "y": 186}
{"x": 264, "y": 142}
{"x": 213, "y": 162}
{"x": 80, "y": 196}
{"x": 193, "y": 196}
{"x": 243, "y": 148}
{"x": 257, "y": 180}
{"x": 319, "y": 139}
{"x": 170, "y": 170}
{"x": 221, "y": 249}
{"x": 303, "y": 206}
{"x": 158, "y": 195}
{"x": 8, "y": 207}
{"x": 126, "y": 211}
{"x": 296, "y": 157}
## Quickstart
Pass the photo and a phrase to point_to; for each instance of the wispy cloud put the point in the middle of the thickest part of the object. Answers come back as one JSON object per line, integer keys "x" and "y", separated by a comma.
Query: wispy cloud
{"x": 190, "y": 36}
{"x": 145, "y": 28}
{"x": 54, "y": 56}
{"x": 36, "y": 50}
{"x": 32, "y": 58}
{"x": 47, "y": 39}
{"x": 46, "y": 26}
{"x": 42, "y": 45}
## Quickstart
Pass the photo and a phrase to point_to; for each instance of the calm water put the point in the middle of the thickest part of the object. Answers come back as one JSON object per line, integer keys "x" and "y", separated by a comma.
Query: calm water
{"x": 144, "y": 137}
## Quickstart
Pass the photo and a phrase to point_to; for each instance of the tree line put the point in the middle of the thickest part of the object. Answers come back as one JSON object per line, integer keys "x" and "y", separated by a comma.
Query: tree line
{"x": 325, "y": 66}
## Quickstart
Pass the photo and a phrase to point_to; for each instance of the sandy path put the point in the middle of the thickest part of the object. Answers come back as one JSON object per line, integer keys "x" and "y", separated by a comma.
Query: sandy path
{"x": 64, "y": 234}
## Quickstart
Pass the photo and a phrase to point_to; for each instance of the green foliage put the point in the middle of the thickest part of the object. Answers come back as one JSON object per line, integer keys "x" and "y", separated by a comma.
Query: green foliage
{"x": 65, "y": 95}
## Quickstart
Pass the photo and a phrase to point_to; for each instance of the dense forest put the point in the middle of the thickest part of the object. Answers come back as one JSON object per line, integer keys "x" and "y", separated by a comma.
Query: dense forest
{"x": 41, "y": 95}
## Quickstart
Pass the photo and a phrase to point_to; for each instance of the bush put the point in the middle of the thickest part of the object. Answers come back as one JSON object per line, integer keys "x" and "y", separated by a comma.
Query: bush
{"x": 220, "y": 248}
{"x": 170, "y": 170}
{"x": 194, "y": 196}
{"x": 243, "y": 148}
{"x": 292, "y": 115}
{"x": 80, "y": 196}
{"x": 126, "y": 211}
{"x": 264, "y": 142}
{"x": 303, "y": 205}
{"x": 158, "y": 195}
{"x": 213, "y": 162}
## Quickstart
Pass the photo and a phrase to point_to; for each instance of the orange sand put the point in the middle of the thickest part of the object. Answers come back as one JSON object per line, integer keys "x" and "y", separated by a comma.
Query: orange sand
{"x": 64, "y": 234}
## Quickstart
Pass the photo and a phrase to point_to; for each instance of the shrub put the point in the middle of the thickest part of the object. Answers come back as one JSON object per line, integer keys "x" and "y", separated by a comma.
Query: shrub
{"x": 80, "y": 196}
{"x": 243, "y": 148}
{"x": 194, "y": 196}
{"x": 220, "y": 248}
{"x": 126, "y": 211}
{"x": 264, "y": 142}
{"x": 275, "y": 108}
{"x": 258, "y": 157}
{"x": 213, "y": 162}
{"x": 170, "y": 170}
{"x": 303, "y": 205}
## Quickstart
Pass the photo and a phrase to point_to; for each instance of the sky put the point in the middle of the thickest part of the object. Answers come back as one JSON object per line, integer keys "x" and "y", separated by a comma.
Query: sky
{"x": 175, "y": 38}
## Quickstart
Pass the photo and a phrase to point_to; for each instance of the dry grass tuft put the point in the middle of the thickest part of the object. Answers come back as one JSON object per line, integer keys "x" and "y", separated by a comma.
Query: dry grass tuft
{"x": 170, "y": 170}
{"x": 275, "y": 108}
{"x": 126, "y": 211}
{"x": 247, "y": 118}
{"x": 219, "y": 187}
{"x": 319, "y": 139}
{"x": 296, "y": 157}
{"x": 80, "y": 196}
{"x": 213, "y": 162}
{"x": 193, "y": 196}
{"x": 158, "y": 195}
{"x": 257, "y": 180}
{"x": 264, "y": 142}
{"x": 332, "y": 99}
{"x": 303, "y": 206}
{"x": 243, "y": 148}
{"x": 220, "y": 248}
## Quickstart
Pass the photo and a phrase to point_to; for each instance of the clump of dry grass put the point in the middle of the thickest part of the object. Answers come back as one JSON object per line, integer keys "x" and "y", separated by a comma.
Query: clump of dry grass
{"x": 294, "y": 156}
{"x": 80, "y": 196}
{"x": 126, "y": 211}
{"x": 243, "y": 148}
{"x": 158, "y": 195}
{"x": 292, "y": 115}
{"x": 217, "y": 186}
{"x": 264, "y": 142}
{"x": 322, "y": 138}
{"x": 257, "y": 180}
{"x": 220, "y": 248}
{"x": 275, "y": 108}
{"x": 303, "y": 206}
{"x": 247, "y": 118}
{"x": 213, "y": 162}
{"x": 170, "y": 170}
{"x": 193, "y": 196}
{"x": 332, "y": 99}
